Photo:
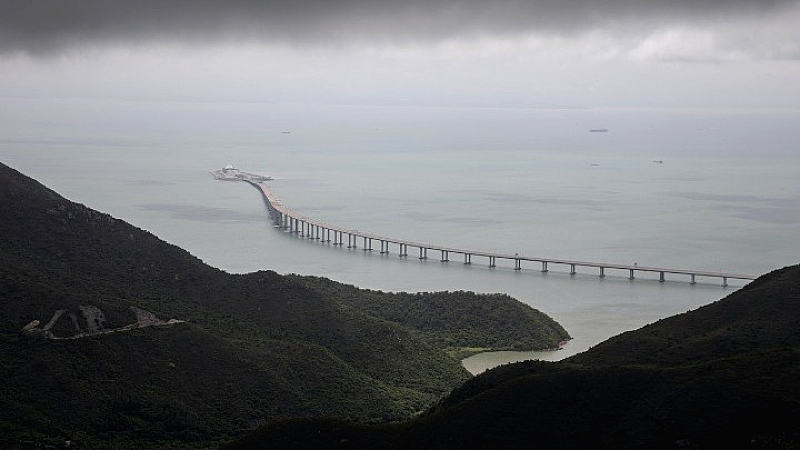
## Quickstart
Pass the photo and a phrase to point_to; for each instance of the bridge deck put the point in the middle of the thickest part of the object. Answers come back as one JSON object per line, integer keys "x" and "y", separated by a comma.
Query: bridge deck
{"x": 281, "y": 215}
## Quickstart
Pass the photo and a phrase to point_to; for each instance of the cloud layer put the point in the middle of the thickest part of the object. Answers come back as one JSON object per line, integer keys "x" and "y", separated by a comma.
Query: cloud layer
{"x": 46, "y": 27}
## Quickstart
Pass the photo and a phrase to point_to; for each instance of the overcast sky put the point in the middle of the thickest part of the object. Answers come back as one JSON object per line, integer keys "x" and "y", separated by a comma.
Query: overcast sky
{"x": 740, "y": 54}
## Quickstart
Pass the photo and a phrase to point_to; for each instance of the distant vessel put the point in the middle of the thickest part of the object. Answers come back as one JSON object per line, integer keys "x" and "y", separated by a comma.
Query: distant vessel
{"x": 598, "y": 130}
{"x": 230, "y": 173}
{"x": 658, "y": 161}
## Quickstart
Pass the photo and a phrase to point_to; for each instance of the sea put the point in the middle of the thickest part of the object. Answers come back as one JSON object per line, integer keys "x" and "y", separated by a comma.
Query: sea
{"x": 712, "y": 190}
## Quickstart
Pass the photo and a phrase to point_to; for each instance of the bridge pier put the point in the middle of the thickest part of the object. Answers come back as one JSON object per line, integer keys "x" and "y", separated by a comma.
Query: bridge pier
{"x": 467, "y": 258}
{"x": 491, "y": 262}
{"x": 423, "y": 253}
{"x": 724, "y": 281}
{"x": 661, "y": 277}
{"x": 693, "y": 281}
{"x": 630, "y": 277}
{"x": 445, "y": 256}
{"x": 602, "y": 272}
{"x": 517, "y": 264}
{"x": 544, "y": 266}
{"x": 572, "y": 269}
{"x": 403, "y": 250}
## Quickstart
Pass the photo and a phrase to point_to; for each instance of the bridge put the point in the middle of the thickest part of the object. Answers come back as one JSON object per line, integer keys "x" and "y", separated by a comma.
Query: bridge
{"x": 306, "y": 227}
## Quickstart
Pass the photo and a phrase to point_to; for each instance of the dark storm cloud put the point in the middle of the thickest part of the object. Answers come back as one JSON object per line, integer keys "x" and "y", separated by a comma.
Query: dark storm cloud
{"x": 47, "y": 26}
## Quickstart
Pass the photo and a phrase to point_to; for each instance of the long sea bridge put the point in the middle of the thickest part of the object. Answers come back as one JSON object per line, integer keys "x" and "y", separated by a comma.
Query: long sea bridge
{"x": 294, "y": 222}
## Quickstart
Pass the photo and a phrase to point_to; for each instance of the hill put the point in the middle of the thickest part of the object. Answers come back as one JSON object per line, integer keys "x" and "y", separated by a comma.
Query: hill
{"x": 462, "y": 331}
{"x": 723, "y": 376}
{"x": 112, "y": 337}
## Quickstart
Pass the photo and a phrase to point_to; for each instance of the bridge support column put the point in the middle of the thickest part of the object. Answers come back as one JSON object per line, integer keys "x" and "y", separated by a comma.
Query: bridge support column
{"x": 602, "y": 272}
{"x": 661, "y": 277}
{"x": 630, "y": 277}
{"x": 693, "y": 280}
{"x": 572, "y": 269}
{"x": 445, "y": 255}
{"x": 724, "y": 281}
{"x": 329, "y": 234}
{"x": 423, "y": 253}
{"x": 403, "y": 250}
{"x": 318, "y": 227}
{"x": 467, "y": 258}
{"x": 544, "y": 266}
{"x": 491, "y": 262}
{"x": 517, "y": 264}
{"x": 310, "y": 233}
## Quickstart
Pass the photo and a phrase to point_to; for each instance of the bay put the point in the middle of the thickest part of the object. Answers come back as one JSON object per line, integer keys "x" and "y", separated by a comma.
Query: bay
{"x": 704, "y": 190}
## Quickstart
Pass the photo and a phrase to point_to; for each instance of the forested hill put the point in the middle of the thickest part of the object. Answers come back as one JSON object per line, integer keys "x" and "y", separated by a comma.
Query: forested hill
{"x": 110, "y": 337}
{"x": 470, "y": 328}
{"x": 723, "y": 376}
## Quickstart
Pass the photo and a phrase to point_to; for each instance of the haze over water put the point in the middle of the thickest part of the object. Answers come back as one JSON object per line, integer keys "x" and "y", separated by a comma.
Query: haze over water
{"x": 704, "y": 190}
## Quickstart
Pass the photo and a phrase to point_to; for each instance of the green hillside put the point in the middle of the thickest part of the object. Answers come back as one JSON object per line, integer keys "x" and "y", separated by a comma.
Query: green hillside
{"x": 462, "y": 331}
{"x": 724, "y": 376}
{"x": 110, "y": 337}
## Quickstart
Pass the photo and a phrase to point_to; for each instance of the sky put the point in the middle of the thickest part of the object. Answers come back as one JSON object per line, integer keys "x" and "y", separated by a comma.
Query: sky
{"x": 715, "y": 54}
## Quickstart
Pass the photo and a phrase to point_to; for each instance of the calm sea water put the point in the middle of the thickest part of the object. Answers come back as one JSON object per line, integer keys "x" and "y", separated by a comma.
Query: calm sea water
{"x": 705, "y": 190}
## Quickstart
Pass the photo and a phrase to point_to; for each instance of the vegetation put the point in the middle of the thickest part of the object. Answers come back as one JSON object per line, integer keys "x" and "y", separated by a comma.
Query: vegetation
{"x": 470, "y": 328}
{"x": 723, "y": 376}
{"x": 250, "y": 348}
